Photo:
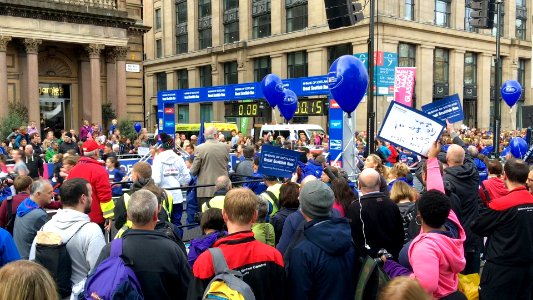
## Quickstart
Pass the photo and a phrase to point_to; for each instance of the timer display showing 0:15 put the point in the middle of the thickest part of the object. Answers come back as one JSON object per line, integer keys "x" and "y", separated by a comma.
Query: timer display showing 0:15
{"x": 313, "y": 107}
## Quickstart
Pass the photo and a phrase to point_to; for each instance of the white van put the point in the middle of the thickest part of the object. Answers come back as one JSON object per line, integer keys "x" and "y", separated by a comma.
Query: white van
{"x": 296, "y": 129}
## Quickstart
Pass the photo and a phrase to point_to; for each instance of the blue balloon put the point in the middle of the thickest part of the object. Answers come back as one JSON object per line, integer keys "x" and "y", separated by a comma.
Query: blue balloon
{"x": 272, "y": 88}
{"x": 347, "y": 82}
{"x": 289, "y": 104}
{"x": 511, "y": 92}
{"x": 137, "y": 127}
{"x": 518, "y": 147}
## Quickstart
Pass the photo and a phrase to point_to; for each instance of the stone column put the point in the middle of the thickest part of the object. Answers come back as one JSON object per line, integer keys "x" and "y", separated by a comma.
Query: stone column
{"x": 111, "y": 73}
{"x": 94, "y": 51}
{"x": 32, "y": 71}
{"x": 483, "y": 90}
{"x": 318, "y": 67}
{"x": 424, "y": 75}
{"x": 4, "y": 40}
{"x": 277, "y": 17}
{"x": 122, "y": 100}
{"x": 194, "y": 108}
{"x": 457, "y": 66}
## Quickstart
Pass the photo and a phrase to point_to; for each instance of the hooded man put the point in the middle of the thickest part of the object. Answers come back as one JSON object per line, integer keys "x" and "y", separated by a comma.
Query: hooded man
{"x": 324, "y": 251}
{"x": 169, "y": 171}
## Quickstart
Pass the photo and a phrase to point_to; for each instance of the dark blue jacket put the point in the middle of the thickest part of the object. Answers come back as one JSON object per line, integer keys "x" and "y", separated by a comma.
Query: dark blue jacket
{"x": 314, "y": 264}
{"x": 8, "y": 249}
{"x": 311, "y": 168}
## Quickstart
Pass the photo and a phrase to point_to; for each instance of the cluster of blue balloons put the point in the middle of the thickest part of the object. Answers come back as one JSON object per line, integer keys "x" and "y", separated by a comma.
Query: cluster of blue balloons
{"x": 347, "y": 83}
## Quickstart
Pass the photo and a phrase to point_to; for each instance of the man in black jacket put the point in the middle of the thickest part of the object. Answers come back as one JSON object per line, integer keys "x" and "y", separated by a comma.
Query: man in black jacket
{"x": 68, "y": 144}
{"x": 375, "y": 219}
{"x": 508, "y": 224}
{"x": 462, "y": 178}
{"x": 160, "y": 266}
{"x": 34, "y": 162}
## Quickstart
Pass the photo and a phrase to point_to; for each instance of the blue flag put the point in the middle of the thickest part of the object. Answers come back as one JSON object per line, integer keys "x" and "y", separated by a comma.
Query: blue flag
{"x": 201, "y": 138}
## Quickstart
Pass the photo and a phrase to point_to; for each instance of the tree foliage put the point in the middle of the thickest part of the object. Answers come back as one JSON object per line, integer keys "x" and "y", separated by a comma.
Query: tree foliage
{"x": 17, "y": 116}
{"x": 126, "y": 129}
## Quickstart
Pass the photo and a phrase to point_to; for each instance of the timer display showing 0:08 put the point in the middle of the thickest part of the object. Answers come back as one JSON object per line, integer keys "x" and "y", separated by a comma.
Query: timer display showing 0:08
{"x": 247, "y": 109}
{"x": 310, "y": 108}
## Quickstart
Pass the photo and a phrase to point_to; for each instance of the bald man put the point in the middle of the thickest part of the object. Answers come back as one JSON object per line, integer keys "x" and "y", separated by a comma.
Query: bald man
{"x": 462, "y": 178}
{"x": 375, "y": 219}
{"x": 210, "y": 162}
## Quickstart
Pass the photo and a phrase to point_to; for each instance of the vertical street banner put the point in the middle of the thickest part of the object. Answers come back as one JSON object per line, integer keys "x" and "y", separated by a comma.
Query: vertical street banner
{"x": 335, "y": 132}
{"x": 404, "y": 84}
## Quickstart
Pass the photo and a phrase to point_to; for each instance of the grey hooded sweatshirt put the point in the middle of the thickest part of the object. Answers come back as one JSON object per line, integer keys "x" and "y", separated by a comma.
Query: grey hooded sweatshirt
{"x": 84, "y": 247}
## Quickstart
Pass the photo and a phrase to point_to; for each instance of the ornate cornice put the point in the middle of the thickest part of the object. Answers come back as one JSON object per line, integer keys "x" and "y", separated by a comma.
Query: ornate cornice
{"x": 4, "y": 40}
{"x": 64, "y": 12}
{"x": 94, "y": 50}
{"x": 32, "y": 45}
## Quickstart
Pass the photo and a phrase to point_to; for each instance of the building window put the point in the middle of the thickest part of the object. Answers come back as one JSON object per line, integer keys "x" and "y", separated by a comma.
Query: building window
{"x": 204, "y": 8}
{"x": 262, "y": 67}
{"x": 230, "y": 73}
{"x": 161, "y": 81}
{"x": 470, "y": 85}
{"x": 406, "y": 55}
{"x": 409, "y": 10}
{"x": 182, "y": 79}
{"x": 502, "y": 24}
{"x": 183, "y": 113}
{"x": 231, "y": 32}
{"x": 441, "y": 66}
{"x": 182, "y": 43}
{"x": 296, "y": 15}
{"x": 470, "y": 71}
{"x": 157, "y": 19}
{"x": 521, "y": 19}
{"x": 204, "y": 37}
{"x": 337, "y": 51}
{"x": 158, "y": 48}
{"x": 297, "y": 64}
{"x": 205, "y": 76}
{"x": 181, "y": 27}
{"x": 442, "y": 12}
{"x": 231, "y": 21}
{"x": 521, "y": 78}
{"x": 260, "y": 18}
{"x": 206, "y": 112}
{"x": 204, "y": 24}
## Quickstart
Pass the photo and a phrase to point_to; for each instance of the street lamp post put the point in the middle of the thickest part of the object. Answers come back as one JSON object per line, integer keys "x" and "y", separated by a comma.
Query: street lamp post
{"x": 497, "y": 115}
{"x": 371, "y": 115}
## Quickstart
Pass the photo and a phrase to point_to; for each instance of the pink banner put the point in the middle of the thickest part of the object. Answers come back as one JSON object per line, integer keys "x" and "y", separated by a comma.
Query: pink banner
{"x": 404, "y": 83}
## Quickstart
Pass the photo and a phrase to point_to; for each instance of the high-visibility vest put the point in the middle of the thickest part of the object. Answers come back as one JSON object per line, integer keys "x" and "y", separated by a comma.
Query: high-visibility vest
{"x": 166, "y": 205}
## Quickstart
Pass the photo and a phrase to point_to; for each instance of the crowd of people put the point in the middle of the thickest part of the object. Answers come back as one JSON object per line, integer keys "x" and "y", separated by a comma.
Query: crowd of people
{"x": 424, "y": 220}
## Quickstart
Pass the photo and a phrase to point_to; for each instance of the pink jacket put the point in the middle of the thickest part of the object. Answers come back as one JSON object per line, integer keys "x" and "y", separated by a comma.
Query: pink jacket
{"x": 436, "y": 258}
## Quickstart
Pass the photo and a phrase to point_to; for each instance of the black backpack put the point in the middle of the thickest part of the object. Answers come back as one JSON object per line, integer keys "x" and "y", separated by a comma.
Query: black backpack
{"x": 10, "y": 216}
{"x": 56, "y": 259}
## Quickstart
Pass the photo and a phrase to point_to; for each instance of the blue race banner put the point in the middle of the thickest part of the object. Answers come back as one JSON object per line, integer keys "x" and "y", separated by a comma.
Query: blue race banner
{"x": 306, "y": 86}
{"x": 275, "y": 161}
{"x": 335, "y": 132}
{"x": 448, "y": 108}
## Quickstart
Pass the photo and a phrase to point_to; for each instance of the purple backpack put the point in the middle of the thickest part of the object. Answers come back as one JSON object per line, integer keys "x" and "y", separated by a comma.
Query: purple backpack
{"x": 113, "y": 278}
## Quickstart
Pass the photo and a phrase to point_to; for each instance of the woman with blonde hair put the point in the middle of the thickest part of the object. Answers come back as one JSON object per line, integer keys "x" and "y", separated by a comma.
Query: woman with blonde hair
{"x": 404, "y": 196}
{"x": 403, "y": 288}
{"x": 26, "y": 280}
{"x": 400, "y": 172}
{"x": 373, "y": 161}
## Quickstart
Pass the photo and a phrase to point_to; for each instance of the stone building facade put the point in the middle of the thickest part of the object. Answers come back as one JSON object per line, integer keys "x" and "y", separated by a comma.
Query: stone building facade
{"x": 217, "y": 42}
{"x": 63, "y": 59}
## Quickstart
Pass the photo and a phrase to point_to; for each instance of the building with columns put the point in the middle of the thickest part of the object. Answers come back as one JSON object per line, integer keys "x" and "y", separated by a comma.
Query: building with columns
{"x": 63, "y": 59}
{"x": 217, "y": 42}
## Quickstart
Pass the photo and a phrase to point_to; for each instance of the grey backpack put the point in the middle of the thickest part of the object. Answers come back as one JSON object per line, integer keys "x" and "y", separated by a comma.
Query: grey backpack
{"x": 227, "y": 283}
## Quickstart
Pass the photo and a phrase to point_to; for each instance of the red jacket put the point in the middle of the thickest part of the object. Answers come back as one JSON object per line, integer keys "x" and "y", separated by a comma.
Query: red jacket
{"x": 93, "y": 171}
{"x": 393, "y": 157}
{"x": 17, "y": 199}
{"x": 495, "y": 188}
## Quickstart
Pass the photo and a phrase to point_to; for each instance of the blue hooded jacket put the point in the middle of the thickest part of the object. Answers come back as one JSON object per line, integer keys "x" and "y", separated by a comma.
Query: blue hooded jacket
{"x": 311, "y": 168}
{"x": 313, "y": 265}
{"x": 26, "y": 206}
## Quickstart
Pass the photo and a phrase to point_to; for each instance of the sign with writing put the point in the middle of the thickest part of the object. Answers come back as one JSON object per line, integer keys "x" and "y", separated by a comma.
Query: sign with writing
{"x": 410, "y": 128}
{"x": 133, "y": 68}
{"x": 404, "y": 84}
{"x": 53, "y": 90}
{"x": 278, "y": 162}
{"x": 448, "y": 108}
{"x": 385, "y": 64}
{"x": 336, "y": 128}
